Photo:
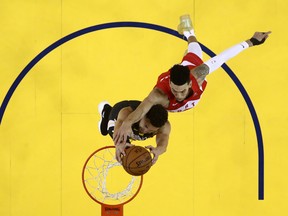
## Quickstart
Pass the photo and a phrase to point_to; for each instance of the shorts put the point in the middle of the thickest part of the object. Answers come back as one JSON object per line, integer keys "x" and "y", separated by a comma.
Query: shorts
{"x": 115, "y": 111}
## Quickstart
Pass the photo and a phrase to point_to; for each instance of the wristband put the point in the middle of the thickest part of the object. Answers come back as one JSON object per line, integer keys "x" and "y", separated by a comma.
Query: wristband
{"x": 255, "y": 41}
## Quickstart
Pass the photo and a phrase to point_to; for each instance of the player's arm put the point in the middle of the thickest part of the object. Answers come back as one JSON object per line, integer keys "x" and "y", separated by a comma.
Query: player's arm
{"x": 120, "y": 148}
{"x": 122, "y": 115}
{"x": 155, "y": 97}
{"x": 214, "y": 63}
{"x": 200, "y": 73}
{"x": 162, "y": 139}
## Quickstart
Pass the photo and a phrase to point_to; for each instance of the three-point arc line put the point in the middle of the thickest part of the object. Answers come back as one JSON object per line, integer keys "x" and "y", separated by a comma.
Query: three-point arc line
{"x": 164, "y": 30}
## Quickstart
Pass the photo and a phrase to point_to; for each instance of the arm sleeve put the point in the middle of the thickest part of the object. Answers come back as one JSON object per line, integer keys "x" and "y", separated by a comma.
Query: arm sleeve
{"x": 216, "y": 62}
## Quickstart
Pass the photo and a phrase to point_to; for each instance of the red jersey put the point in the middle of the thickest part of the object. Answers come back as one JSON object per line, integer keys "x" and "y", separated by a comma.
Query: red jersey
{"x": 191, "y": 60}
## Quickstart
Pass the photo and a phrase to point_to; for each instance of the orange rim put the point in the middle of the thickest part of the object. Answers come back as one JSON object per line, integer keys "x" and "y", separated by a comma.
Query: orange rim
{"x": 93, "y": 198}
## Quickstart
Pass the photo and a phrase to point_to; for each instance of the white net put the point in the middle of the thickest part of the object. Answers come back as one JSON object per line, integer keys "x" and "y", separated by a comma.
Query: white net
{"x": 106, "y": 181}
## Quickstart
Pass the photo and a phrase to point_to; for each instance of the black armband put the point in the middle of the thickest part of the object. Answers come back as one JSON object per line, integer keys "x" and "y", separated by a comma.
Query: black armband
{"x": 255, "y": 42}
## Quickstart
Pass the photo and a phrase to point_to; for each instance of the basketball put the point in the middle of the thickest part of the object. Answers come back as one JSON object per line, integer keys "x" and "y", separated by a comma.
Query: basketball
{"x": 137, "y": 161}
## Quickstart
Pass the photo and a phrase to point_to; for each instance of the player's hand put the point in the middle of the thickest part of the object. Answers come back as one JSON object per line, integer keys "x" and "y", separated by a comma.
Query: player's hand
{"x": 259, "y": 37}
{"x": 120, "y": 151}
{"x": 155, "y": 153}
{"x": 120, "y": 136}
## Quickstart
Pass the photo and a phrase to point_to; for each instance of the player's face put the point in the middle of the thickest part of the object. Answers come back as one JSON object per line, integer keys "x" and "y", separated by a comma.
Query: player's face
{"x": 180, "y": 92}
{"x": 146, "y": 127}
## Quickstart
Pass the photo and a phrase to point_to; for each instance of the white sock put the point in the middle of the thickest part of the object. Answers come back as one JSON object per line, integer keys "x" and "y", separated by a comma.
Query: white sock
{"x": 187, "y": 34}
{"x": 195, "y": 48}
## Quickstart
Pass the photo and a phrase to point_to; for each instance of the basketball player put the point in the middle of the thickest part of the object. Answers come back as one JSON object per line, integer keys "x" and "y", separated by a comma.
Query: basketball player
{"x": 153, "y": 123}
{"x": 181, "y": 87}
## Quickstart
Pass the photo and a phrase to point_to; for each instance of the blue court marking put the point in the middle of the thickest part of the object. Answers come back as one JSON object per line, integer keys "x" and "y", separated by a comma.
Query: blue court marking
{"x": 164, "y": 30}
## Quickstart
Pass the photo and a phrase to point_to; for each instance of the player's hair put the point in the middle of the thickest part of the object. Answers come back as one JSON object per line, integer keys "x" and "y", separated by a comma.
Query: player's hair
{"x": 157, "y": 115}
{"x": 179, "y": 74}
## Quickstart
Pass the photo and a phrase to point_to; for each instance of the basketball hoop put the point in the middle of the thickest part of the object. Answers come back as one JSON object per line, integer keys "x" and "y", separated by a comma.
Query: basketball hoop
{"x": 103, "y": 178}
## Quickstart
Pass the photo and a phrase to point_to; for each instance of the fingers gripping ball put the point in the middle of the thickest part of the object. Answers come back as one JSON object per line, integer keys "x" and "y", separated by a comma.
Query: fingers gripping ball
{"x": 137, "y": 161}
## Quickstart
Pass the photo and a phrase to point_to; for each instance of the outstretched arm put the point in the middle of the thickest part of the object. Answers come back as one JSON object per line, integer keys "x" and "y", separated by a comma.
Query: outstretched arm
{"x": 120, "y": 148}
{"x": 214, "y": 63}
{"x": 155, "y": 97}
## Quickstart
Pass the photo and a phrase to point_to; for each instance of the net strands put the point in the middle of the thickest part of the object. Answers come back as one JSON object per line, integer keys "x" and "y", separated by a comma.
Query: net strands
{"x": 96, "y": 173}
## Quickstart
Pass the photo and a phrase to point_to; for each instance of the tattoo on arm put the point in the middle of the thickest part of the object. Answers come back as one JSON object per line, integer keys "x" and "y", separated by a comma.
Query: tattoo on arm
{"x": 200, "y": 73}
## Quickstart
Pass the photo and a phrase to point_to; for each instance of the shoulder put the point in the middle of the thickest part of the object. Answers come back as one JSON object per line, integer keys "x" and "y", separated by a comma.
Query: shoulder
{"x": 200, "y": 72}
{"x": 158, "y": 92}
{"x": 124, "y": 112}
{"x": 157, "y": 96}
{"x": 163, "y": 79}
{"x": 165, "y": 129}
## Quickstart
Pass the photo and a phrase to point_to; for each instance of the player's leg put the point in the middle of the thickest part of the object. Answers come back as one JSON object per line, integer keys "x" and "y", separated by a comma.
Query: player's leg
{"x": 104, "y": 109}
{"x": 112, "y": 118}
{"x": 186, "y": 28}
{"x": 111, "y": 125}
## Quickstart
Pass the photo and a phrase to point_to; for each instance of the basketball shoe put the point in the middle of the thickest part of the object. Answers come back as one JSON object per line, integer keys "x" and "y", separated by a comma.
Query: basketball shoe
{"x": 185, "y": 24}
{"x": 104, "y": 110}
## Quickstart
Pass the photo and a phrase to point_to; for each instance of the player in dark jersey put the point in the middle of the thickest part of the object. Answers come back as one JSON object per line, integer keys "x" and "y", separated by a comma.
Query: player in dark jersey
{"x": 181, "y": 87}
{"x": 154, "y": 123}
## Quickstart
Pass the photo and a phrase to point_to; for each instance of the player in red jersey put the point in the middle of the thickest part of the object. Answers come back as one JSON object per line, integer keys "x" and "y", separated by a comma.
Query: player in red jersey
{"x": 181, "y": 87}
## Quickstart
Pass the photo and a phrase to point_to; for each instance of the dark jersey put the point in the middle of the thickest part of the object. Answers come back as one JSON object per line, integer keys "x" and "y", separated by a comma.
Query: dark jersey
{"x": 135, "y": 127}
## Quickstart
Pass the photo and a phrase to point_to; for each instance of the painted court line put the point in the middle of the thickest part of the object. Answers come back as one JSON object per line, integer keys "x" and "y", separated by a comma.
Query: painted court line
{"x": 164, "y": 30}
